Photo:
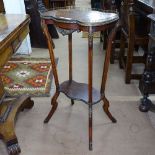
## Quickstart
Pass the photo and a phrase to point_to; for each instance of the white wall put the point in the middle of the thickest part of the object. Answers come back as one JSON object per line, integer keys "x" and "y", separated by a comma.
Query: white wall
{"x": 18, "y": 7}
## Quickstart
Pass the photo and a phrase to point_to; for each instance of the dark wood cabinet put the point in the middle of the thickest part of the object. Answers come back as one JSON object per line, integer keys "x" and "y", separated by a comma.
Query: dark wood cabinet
{"x": 147, "y": 83}
{"x": 47, "y": 3}
{"x": 36, "y": 35}
{"x": 2, "y": 6}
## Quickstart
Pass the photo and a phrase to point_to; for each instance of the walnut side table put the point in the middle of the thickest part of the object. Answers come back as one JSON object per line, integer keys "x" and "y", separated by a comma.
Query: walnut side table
{"x": 78, "y": 19}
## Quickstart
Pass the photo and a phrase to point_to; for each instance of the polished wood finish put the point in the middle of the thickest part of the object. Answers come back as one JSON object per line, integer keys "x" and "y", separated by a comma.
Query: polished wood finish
{"x": 113, "y": 6}
{"x": 54, "y": 69}
{"x": 8, "y": 113}
{"x": 147, "y": 83}
{"x": 34, "y": 8}
{"x": 13, "y": 29}
{"x": 79, "y": 91}
{"x": 58, "y": 3}
{"x": 61, "y": 3}
{"x": 2, "y": 10}
{"x": 135, "y": 32}
{"x": 47, "y": 3}
{"x": 70, "y": 55}
{"x": 71, "y": 20}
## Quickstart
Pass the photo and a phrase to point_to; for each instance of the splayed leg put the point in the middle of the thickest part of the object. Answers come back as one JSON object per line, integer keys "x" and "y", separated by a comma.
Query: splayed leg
{"x": 106, "y": 110}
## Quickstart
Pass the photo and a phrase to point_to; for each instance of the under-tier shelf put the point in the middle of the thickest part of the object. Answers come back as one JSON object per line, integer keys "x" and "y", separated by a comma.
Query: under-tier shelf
{"x": 79, "y": 91}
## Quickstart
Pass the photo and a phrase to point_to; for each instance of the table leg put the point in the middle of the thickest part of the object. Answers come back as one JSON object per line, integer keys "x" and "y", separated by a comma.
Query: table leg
{"x": 106, "y": 109}
{"x": 70, "y": 60}
{"x": 90, "y": 79}
{"x": 105, "y": 71}
{"x": 54, "y": 104}
{"x": 55, "y": 74}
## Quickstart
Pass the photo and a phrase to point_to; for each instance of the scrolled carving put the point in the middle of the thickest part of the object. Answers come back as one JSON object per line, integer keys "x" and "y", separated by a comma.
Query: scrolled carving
{"x": 147, "y": 77}
{"x": 14, "y": 149}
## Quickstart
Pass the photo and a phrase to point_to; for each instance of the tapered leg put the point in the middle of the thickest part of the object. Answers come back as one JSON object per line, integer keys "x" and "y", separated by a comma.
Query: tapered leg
{"x": 107, "y": 57}
{"x": 54, "y": 104}
{"x": 122, "y": 51}
{"x": 105, "y": 71}
{"x": 128, "y": 68}
{"x": 90, "y": 112}
{"x": 106, "y": 110}
{"x": 112, "y": 56}
{"x": 131, "y": 46}
{"x": 105, "y": 33}
{"x": 52, "y": 57}
{"x": 70, "y": 55}
{"x": 72, "y": 102}
{"x": 90, "y": 84}
{"x": 70, "y": 60}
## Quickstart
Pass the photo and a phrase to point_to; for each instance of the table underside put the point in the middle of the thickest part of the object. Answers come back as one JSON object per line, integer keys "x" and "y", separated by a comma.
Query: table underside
{"x": 79, "y": 91}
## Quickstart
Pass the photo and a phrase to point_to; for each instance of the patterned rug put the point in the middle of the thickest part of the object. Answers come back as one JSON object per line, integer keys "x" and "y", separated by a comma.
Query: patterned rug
{"x": 31, "y": 76}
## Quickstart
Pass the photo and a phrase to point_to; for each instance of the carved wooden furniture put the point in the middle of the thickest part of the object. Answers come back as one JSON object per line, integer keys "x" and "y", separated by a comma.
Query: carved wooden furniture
{"x": 71, "y": 20}
{"x": 61, "y": 3}
{"x": 2, "y": 10}
{"x": 47, "y": 3}
{"x": 147, "y": 83}
{"x": 135, "y": 31}
{"x": 112, "y": 5}
{"x": 58, "y": 3}
{"x": 13, "y": 29}
{"x": 51, "y": 28}
{"x": 105, "y": 5}
{"x": 34, "y": 8}
{"x": 116, "y": 43}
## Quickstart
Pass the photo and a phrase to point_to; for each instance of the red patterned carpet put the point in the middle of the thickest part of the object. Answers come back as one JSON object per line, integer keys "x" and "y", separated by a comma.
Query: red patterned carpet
{"x": 31, "y": 76}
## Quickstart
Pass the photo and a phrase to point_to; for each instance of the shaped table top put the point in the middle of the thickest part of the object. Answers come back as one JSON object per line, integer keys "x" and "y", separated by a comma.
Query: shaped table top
{"x": 10, "y": 23}
{"x": 81, "y": 16}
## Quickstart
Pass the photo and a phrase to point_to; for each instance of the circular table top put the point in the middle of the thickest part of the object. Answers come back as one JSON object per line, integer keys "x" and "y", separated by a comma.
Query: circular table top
{"x": 81, "y": 16}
